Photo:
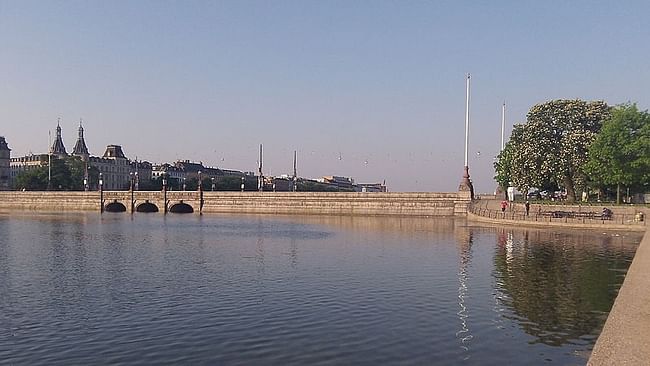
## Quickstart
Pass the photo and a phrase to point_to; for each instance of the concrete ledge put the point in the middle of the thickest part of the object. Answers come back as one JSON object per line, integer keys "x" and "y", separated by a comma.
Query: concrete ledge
{"x": 625, "y": 338}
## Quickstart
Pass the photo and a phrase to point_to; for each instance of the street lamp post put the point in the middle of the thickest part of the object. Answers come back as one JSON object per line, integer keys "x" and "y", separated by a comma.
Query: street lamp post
{"x": 86, "y": 177}
{"x": 131, "y": 189}
{"x": 184, "y": 186}
{"x": 212, "y": 184}
{"x": 200, "y": 194}
{"x": 164, "y": 188}
{"x": 137, "y": 182}
{"x": 101, "y": 193}
{"x": 243, "y": 179}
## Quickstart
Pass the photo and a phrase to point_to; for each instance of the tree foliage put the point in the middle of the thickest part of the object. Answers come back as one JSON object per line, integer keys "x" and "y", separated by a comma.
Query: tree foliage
{"x": 620, "y": 154}
{"x": 67, "y": 174}
{"x": 551, "y": 147}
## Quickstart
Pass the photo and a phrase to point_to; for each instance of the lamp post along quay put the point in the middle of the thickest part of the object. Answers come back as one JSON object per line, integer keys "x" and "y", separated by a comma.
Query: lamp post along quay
{"x": 200, "y": 194}
{"x": 101, "y": 193}
{"x": 131, "y": 189}
{"x": 466, "y": 183}
{"x": 164, "y": 189}
{"x": 498, "y": 190}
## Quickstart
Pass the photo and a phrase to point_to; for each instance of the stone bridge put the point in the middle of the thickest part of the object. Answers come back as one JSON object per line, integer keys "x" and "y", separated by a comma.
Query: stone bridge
{"x": 302, "y": 203}
{"x": 152, "y": 201}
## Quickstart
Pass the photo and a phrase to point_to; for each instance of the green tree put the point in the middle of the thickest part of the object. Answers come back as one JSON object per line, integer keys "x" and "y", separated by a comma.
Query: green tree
{"x": 232, "y": 183}
{"x": 67, "y": 174}
{"x": 620, "y": 154}
{"x": 551, "y": 147}
{"x": 34, "y": 179}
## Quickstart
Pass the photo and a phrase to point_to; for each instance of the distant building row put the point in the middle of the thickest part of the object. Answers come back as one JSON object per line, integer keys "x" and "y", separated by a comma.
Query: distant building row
{"x": 118, "y": 171}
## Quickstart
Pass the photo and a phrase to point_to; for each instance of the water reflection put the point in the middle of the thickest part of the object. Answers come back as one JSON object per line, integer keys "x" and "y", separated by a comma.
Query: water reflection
{"x": 464, "y": 240}
{"x": 560, "y": 286}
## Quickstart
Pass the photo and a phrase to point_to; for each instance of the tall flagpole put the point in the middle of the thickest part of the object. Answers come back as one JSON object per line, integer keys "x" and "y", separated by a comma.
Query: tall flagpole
{"x": 466, "y": 183}
{"x": 49, "y": 160}
{"x": 503, "y": 125}
{"x": 260, "y": 185}
{"x": 467, "y": 122}
{"x": 295, "y": 171}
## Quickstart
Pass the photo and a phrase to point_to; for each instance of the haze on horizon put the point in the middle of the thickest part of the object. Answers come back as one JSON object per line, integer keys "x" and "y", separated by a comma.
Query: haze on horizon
{"x": 370, "y": 90}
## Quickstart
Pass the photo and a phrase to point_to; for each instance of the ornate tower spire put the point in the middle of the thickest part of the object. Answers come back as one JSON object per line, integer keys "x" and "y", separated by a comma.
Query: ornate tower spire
{"x": 80, "y": 148}
{"x": 58, "y": 148}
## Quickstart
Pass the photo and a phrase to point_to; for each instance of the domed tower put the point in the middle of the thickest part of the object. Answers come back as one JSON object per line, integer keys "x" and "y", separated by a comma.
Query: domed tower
{"x": 80, "y": 148}
{"x": 58, "y": 148}
{"x": 5, "y": 170}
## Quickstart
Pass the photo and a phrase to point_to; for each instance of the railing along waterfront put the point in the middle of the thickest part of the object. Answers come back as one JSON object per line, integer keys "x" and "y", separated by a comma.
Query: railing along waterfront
{"x": 566, "y": 216}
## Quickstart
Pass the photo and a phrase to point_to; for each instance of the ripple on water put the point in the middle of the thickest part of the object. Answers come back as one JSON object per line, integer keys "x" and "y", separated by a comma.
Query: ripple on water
{"x": 256, "y": 290}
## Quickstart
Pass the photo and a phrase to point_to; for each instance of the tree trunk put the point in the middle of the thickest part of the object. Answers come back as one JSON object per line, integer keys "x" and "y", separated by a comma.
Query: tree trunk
{"x": 570, "y": 191}
{"x": 618, "y": 194}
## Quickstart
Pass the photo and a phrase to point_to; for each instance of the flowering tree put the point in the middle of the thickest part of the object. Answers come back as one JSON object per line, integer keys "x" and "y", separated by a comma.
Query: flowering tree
{"x": 552, "y": 146}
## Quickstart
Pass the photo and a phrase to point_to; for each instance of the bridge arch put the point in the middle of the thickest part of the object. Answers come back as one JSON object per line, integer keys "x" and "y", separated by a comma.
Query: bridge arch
{"x": 115, "y": 207}
{"x": 146, "y": 206}
{"x": 181, "y": 207}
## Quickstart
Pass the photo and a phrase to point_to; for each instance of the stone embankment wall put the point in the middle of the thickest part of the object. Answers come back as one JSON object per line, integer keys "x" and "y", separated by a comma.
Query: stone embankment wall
{"x": 310, "y": 203}
{"x": 49, "y": 201}
{"x": 367, "y": 204}
{"x": 626, "y": 336}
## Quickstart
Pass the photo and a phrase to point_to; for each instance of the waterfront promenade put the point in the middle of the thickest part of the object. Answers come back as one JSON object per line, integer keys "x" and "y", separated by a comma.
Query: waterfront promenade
{"x": 558, "y": 215}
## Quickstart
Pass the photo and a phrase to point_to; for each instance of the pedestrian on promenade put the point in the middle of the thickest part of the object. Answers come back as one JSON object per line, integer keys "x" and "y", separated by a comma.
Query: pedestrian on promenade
{"x": 527, "y": 205}
{"x": 504, "y": 204}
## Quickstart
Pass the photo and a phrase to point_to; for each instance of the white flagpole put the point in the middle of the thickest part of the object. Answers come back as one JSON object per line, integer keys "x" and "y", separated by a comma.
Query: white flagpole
{"x": 503, "y": 125}
{"x": 467, "y": 122}
{"x": 49, "y": 159}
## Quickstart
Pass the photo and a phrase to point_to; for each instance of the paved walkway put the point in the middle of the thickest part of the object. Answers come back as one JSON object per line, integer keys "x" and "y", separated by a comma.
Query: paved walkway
{"x": 545, "y": 215}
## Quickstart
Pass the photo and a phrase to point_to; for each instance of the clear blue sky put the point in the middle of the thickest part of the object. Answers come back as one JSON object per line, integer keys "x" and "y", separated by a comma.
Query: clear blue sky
{"x": 369, "y": 89}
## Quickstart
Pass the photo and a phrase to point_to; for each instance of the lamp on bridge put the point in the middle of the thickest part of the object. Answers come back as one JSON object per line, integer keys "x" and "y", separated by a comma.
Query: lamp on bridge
{"x": 243, "y": 179}
{"x": 212, "y": 184}
{"x": 164, "y": 188}
{"x": 184, "y": 186}
{"x": 101, "y": 193}
{"x": 137, "y": 182}
{"x": 131, "y": 189}
{"x": 200, "y": 194}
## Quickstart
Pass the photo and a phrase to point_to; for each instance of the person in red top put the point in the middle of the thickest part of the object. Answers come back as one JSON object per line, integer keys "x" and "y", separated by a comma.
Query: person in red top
{"x": 504, "y": 204}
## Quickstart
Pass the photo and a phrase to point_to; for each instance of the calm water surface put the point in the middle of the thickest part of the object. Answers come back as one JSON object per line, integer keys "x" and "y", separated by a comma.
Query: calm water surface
{"x": 261, "y": 290}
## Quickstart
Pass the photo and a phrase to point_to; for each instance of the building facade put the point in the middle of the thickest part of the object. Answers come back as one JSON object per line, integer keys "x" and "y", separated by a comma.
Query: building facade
{"x": 5, "y": 165}
{"x": 114, "y": 167}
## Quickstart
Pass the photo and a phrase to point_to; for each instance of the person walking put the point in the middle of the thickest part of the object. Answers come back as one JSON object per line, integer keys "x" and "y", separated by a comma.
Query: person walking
{"x": 527, "y": 205}
{"x": 504, "y": 204}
